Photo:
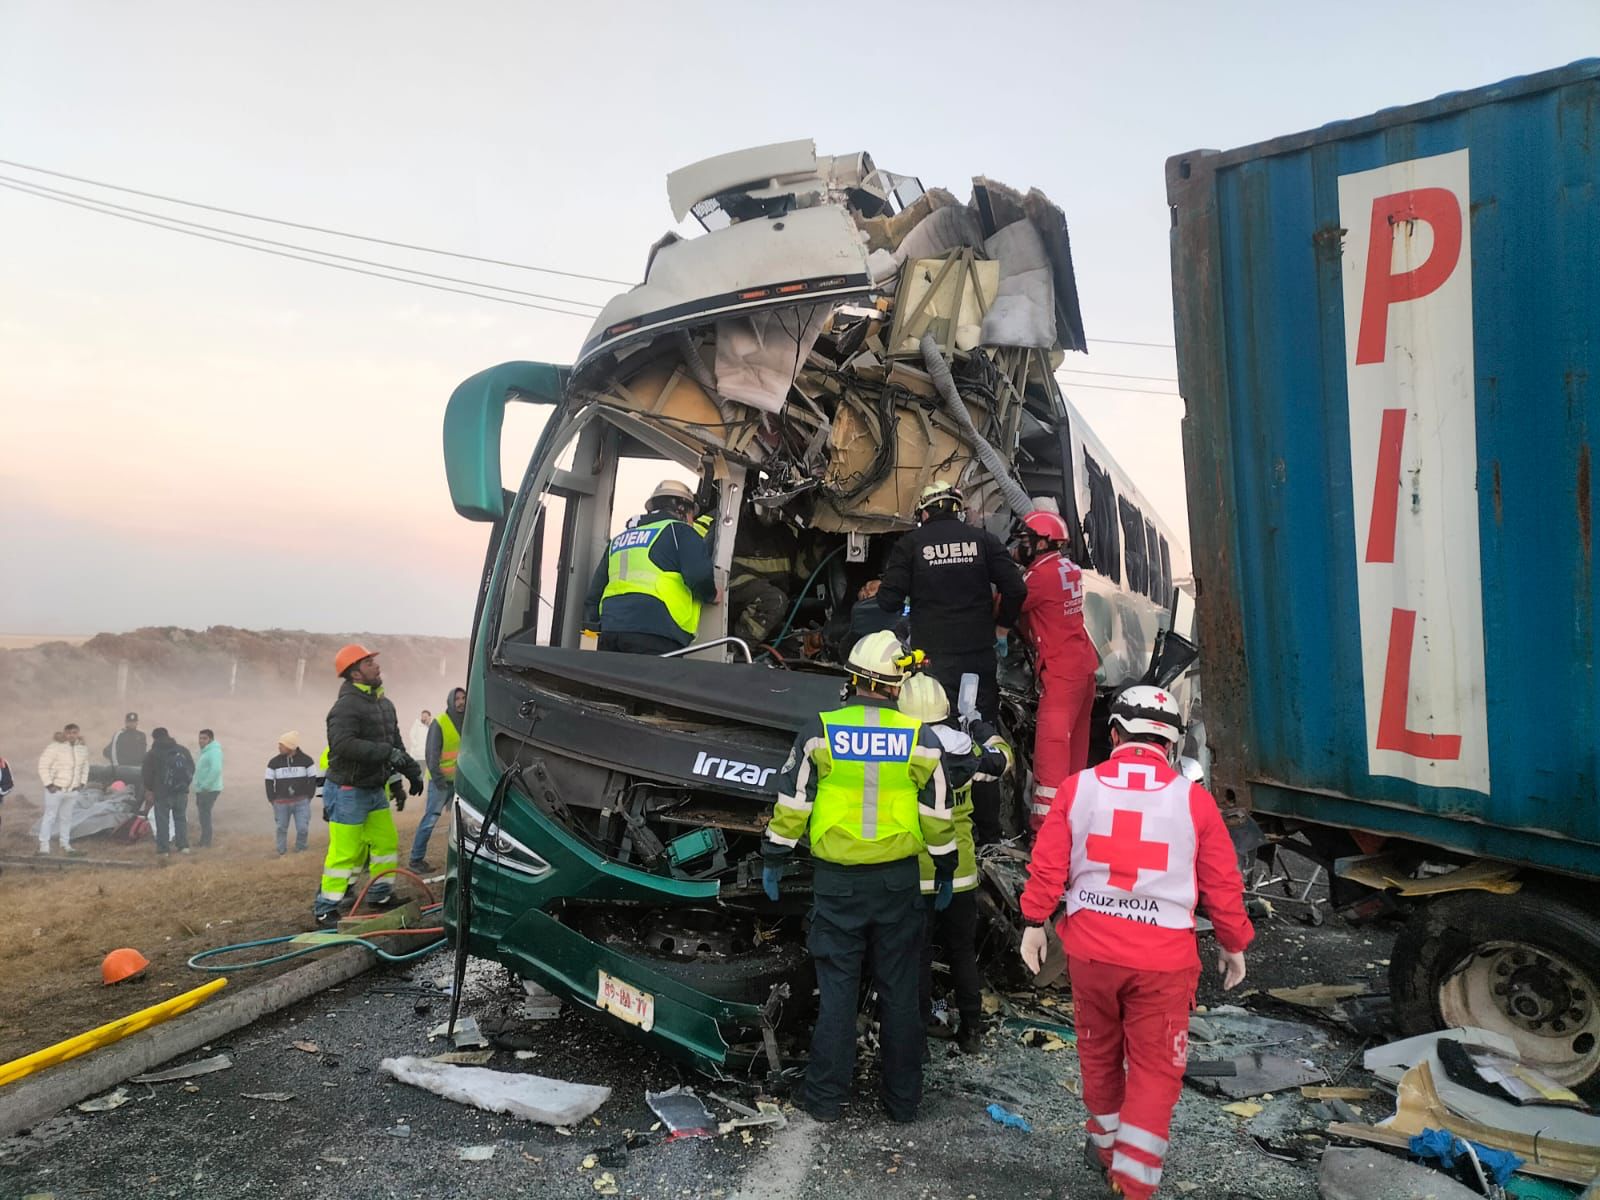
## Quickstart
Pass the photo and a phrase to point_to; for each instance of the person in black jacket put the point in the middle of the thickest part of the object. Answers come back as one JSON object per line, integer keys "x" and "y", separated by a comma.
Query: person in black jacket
{"x": 164, "y": 778}
{"x": 646, "y": 593}
{"x": 290, "y": 780}
{"x": 128, "y": 747}
{"x": 950, "y": 572}
{"x": 365, "y": 758}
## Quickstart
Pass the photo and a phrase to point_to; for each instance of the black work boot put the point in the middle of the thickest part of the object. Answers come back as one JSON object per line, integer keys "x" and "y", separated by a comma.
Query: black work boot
{"x": 969, "y": 1038}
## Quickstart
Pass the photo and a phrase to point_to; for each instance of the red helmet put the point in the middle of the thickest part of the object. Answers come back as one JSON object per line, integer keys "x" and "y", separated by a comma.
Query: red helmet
{"x": 1046, "y": 524}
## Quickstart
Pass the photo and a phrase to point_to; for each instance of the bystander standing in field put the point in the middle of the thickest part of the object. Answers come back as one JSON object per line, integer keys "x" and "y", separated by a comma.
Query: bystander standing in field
{"x": 64, "y": 771}
{"x": 207, "y": 782}
{"x": 165, "y": 777}
{"x": 128, "y": 747}
{"x": 6, "y": 782}
{"x": 292, "y": 778}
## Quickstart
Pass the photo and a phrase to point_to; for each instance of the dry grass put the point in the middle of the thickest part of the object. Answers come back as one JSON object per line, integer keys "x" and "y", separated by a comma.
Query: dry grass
{"x": 56, "y": 926}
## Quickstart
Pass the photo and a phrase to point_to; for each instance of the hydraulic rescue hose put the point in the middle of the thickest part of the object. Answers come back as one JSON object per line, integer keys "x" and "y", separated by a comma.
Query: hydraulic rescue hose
{"x": 202, "y": 961}
{"x": 800, "y": 599}
{"x": 944, "y": 382}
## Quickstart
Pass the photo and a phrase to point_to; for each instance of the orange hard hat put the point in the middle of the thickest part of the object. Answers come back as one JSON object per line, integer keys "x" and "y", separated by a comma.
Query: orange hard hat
{"x": 122, "y": 965}
{"x": 349, "y": 656}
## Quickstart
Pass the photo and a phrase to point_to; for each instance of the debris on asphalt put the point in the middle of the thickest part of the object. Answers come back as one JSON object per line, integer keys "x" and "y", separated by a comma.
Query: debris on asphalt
{"x": 105, "y": 1103}
{"x": 531, "y": 1097}
{"x": 1244, "y": 1108}
{"x": 683, "y": 1113}
{"x": 1318, "y": 995}
{"x": 1349, "y": 1174}
{"x": 205, "y": 1066}
{"x": 1255, "y": 1074}
{"x": 765, "y": 1115}
{"x": 1510, "y": 1078}
{"x": 467, "y": 1034}
{"x": 275, "y": 1097}
{"x": 540, "y": 1005}
{"x": 606, "y": 1184}
{"x": 398, "y": 1131}
{"x": 1337, "y": 1093}
{"x": 1486, "y": 1165}
{"x": 1005, "y": 1117}
{"x": 1229, "y": 1024}
{"x": 308, "y": 1047}
{"x": 463, "y": 1058}
{"x": 475, "y": 1153}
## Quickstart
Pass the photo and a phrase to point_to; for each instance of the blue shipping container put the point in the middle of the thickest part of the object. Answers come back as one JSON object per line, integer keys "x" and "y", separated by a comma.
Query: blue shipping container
{"x": 1388, "y": 336}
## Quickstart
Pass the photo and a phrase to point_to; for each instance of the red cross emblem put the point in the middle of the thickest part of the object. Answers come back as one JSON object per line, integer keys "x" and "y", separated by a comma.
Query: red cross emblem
{"x": 1161, "y": 697}
{"x": 1125, "y": 851}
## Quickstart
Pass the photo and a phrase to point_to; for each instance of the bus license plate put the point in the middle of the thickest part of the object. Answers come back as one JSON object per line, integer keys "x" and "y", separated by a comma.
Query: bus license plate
{"x": 626, "y": 1001}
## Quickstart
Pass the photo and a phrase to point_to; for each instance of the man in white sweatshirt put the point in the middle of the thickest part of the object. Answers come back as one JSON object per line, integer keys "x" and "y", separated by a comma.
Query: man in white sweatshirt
{"x": 64, "y": 772}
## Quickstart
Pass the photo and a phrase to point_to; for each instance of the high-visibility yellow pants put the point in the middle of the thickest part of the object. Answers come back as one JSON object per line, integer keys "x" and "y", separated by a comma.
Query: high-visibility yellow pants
{"x": 362, "y": 826}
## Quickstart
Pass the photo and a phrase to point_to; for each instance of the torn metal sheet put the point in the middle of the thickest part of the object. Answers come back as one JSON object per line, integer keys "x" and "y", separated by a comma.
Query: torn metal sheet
{"x": 682, "y": 1112}
{"x": 1526, "y": 1132}
{"x": 1385, "y": 872}
{"x": 1349, "y": 1174}
{"x": 205, "y": 1066}
{"x": 1257, "y": 1074}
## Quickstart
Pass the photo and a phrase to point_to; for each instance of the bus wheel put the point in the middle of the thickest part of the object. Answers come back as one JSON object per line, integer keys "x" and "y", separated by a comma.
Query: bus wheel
{"x": 1525, "y": 965}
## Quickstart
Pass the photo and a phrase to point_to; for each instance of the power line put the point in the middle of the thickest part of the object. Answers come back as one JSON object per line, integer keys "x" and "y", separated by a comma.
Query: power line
{"x": 1111, "y": 374}
{"x": 1107, "y": 341}
{"x": 360, "y": 237}
{"x": 90, "y": 207}
{"x": 37, "y": 188}
{"x": 1104, "y": 387}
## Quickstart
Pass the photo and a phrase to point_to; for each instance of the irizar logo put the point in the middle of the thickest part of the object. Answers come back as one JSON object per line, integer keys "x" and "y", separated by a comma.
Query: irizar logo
{"x": 734, "y": 771}
{"x": 855, "y": 744}
{"x": 950, "y": 552}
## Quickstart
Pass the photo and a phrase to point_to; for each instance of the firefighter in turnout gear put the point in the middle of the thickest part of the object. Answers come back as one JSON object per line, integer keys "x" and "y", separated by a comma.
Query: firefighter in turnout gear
{"x": 1132, "y": 846}
{"x": 365, "y": 751}
{"x": 646, "y": 593}
{"x": 865, "y": 784}
{"x": 977, "y": 754}
{"x": 1065, "y": 658}
{"x": 950, "y": 571}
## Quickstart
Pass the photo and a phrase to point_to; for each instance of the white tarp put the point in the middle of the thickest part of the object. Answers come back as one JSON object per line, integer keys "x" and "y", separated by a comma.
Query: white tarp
{"x": 531, "y": 1097}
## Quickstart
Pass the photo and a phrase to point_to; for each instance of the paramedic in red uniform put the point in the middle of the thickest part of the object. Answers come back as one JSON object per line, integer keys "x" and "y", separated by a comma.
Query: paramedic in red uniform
{"x": 1132, "y": 846}
{"x": 1064, "y": 655}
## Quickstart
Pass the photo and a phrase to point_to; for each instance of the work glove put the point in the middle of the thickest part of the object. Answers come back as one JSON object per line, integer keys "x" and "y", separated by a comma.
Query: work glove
{"x": 327, "y": 812}
{"x": 771, "y": 873}
{"x": 397, "y": 793}
{"x": 943, "y": 894}
{"x": 1034, "y": 944}
{"x": 398, "y": 760}
{"x": 416, "y": 783}
{"x": 981, "y": 731}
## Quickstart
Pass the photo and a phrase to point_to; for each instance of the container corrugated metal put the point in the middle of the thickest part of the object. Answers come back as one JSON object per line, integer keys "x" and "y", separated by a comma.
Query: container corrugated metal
{"x": 1387, "y": 335}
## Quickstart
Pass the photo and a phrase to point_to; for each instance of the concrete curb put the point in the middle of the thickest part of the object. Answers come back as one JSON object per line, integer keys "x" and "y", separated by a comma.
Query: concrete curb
{"x": 29, "y": 1101}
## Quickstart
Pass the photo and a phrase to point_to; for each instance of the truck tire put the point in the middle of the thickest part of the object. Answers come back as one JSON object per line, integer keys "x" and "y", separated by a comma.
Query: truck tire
{"x": 1525, "y": 965}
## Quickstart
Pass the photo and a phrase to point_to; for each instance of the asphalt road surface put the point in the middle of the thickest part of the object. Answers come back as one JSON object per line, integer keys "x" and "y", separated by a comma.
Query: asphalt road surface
{"x": 352, "y": 1133}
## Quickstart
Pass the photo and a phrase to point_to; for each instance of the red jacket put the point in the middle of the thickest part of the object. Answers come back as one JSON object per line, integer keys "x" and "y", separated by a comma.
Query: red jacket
{"x": 1052, "y": 617}
{"x": 1131, "y": 847}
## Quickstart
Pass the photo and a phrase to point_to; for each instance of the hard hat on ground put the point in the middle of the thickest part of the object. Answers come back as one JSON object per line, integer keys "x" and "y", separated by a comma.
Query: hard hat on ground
{"x": 878, "y": 657}
{"x": 938, "y": 492}
{"x": 349, "y": 656}
{"x": 1146, "y": 709}
{"x": 671, "y": 489}
{"x": 122, "y": 965}
{"x": 922, "y": 697}
{"x": 1045, "y": 524}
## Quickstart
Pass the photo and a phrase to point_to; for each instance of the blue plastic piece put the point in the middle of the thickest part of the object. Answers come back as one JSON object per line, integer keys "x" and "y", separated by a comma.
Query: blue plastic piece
{"x": 1445, "y": 1148}
{"x": 1011, "y": 1120}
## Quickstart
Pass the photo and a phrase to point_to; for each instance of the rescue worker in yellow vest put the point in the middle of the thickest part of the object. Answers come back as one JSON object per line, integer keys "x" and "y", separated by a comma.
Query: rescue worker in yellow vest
{"x": 646, "y": 593}
{"x": 976, "y": 754}
{"x": 865, "y": 784}
{"x": 365, "y": 752}
{"x": 444, "y": 743}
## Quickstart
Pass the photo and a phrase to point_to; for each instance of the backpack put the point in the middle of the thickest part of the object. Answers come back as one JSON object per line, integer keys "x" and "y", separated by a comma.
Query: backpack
{"x": 178, "y": 771}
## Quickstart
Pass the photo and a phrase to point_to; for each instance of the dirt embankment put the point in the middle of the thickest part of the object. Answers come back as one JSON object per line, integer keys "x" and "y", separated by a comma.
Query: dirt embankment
{"x": 247, "y": 685}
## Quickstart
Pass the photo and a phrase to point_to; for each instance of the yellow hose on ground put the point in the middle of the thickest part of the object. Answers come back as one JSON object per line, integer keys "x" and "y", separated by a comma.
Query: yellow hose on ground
{"x": 18, "y": 1068}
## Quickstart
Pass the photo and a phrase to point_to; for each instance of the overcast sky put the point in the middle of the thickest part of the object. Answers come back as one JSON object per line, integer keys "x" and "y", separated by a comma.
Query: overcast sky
{"x": 195, "y": 434}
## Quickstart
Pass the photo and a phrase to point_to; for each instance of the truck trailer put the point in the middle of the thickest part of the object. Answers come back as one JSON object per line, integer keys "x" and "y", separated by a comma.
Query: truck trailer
{"x": 1388, "y": 339}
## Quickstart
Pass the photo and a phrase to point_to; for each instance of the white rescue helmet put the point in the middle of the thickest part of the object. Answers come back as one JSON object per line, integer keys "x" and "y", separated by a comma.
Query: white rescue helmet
{"x": 670, "y": 489}
{"x": 1146, "y": 709}
{"x": 939, "y": 492}
{"x": 922, "y": 698}
{"x": 878, "y": 657}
